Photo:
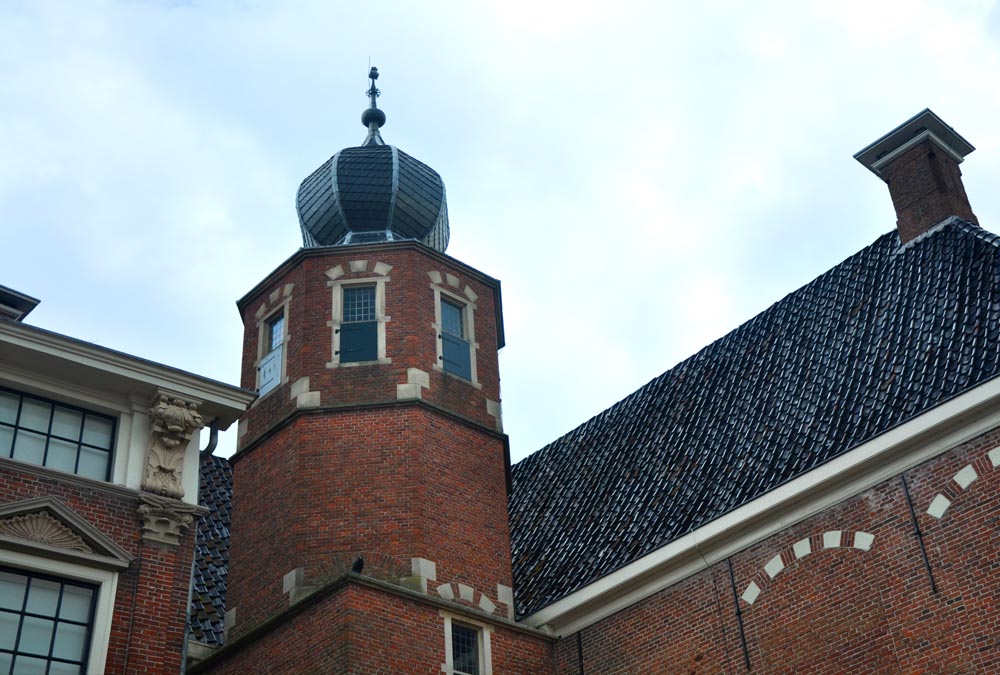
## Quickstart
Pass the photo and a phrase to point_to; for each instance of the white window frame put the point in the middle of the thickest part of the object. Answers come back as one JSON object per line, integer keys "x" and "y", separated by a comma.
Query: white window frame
{"x": 264, "y": 344}
{"x": 337, "y": 318}
{"x": 468, "y": 327}
{"x": 484, "y": 632}
{"x": 106, "y": 582}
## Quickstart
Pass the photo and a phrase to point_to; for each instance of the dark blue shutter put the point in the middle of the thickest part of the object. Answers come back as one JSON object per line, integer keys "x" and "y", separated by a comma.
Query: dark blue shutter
{"x": 359, "y": 341}
{"x": 456, "y": 356}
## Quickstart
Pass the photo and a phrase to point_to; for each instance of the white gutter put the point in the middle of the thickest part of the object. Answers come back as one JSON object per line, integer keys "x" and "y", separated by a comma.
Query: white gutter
{"x": 890, "y": 454}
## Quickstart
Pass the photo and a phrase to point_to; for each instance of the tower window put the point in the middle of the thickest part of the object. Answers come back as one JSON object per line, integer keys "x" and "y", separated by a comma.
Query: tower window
{"x": 45, "y": 623}
{"x": 359, "y": 328}
{"x": 272, "y": 361}
{"x": 455, "y": 349}
{"x": 57, "y": 436}
{"x": 276, "y": 329}
{"x": 466, "y": 646}
{"x": 465, "y": 649}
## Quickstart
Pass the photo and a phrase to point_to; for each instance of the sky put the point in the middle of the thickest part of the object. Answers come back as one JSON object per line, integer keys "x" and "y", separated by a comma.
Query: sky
{"x": 642, "y": 176}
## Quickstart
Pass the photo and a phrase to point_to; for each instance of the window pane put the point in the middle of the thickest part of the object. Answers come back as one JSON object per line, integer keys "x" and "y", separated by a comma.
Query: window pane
{"x": 8, "y": 410}
{"x": 465, "y": 649}
{"x": 5, "y": 659}
{"x": 12, "y": 588}
{"x": 62, "y": 669}
{"x": 62, "y": 455}
{"x": 359, "y": 304}
{"x": 277, "y": 332}
{"x": 93, "y": 463}
{"x": 29, "y": 447}
{"x": 8, "y": 629}
{"x": 451, "y": 319}
{"x": 36, "y": 635}
{"x": 43, "y": 597}
{"x": 76, "y": 603}
{"x": 97, "y": 431}
{"x": 6, "y": 440}
{"x": 35, "y": 415}
{"x": 66, "y": 423}
{"x": 26, "y": 665}
{"x": 70, "y": 640}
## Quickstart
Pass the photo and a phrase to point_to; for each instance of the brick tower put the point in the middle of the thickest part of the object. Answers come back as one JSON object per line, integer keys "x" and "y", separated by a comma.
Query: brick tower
{"x": 372, "y": 471}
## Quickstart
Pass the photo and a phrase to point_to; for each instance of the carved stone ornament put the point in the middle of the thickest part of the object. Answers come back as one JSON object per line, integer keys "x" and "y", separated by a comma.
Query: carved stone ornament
{"x": 173, "y": 422}
{"x": 44, "y": 529}
{"x": 164, "y": 520}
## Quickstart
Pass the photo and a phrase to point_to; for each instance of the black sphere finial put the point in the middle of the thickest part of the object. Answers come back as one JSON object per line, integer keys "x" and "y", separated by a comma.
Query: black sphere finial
{"x": 373, "y": 114}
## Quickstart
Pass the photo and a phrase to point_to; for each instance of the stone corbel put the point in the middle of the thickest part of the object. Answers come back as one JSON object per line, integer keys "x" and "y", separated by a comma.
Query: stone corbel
{"x": 172, "y": 423}
{"x": 164, "y": 520}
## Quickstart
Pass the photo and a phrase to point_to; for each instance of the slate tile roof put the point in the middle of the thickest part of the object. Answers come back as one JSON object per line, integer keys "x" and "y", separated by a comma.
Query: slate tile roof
{"x": 208, "y": 597}
{"x": 882, "y": 337}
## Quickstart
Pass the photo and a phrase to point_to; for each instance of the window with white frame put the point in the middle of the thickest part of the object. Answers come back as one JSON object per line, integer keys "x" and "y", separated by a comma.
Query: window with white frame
{"x": 467, "y": 647}
{"x": 46, "y": 623}
{"x": 56, "y": 612}
{"x": 273, "y": 353}
{"x": 55, "y": 435}
{"x": 456, "y": 348}
{"x": 358, "y": 321}
{"x": 359, "y": 325}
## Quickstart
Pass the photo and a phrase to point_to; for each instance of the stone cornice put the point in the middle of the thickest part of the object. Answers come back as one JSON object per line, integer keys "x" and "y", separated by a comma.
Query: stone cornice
{"x": 128, "y": 373}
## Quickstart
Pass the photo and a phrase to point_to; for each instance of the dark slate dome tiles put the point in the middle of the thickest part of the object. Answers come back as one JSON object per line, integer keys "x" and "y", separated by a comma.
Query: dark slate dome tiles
{"x": 370, "y": 193}
{"x": 882, "y": 337}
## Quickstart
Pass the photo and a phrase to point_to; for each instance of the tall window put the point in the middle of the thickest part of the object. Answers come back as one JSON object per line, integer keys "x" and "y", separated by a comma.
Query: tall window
{"x": 57, "y": 436}
{"x": 464, "y": 649}
{"x": 45, "y": 624}
{"x": 455, "y": 353}
{"x": 273, "y": 357}
{"x": 359, "y": 326}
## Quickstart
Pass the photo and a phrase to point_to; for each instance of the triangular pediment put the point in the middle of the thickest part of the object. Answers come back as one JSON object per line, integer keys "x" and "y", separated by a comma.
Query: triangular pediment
{"x": 46, "y": 526}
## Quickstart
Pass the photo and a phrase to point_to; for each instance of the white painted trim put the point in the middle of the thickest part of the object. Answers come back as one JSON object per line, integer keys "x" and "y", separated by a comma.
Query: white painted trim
{"x": 895, "y": 451}
{"x": 337, "y": 287}
{"x": 108, "y": 586}
{"x": 219, "y": 401}
{"x": 468, "y": 321}
{"x": 485, "y": 630}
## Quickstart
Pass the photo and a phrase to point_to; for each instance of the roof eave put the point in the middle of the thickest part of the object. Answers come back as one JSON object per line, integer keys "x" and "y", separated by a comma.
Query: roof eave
{"x": 889, "y": 454}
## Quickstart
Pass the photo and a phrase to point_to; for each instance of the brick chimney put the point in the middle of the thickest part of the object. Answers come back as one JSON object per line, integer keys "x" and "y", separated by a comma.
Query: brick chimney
{"x": 919, "y": 161}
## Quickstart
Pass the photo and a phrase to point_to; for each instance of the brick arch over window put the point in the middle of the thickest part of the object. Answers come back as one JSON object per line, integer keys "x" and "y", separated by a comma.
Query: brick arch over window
{"x": 961, "y": 481}
{"x": 861, "y": 541}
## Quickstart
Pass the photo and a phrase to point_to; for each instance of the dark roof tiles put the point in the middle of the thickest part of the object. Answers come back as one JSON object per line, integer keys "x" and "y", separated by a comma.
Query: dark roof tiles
{"x": 880, "y": 338}
{"x": 211, "y": 568}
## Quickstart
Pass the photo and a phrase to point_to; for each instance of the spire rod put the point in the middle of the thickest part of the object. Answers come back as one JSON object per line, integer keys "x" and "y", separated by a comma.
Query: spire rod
{"x": 373, "y": 118}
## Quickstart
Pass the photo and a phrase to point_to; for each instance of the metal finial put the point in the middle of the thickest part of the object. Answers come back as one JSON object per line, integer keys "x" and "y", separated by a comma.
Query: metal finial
{"x": 373, "y": 118}
{"x": 373, "y": 92}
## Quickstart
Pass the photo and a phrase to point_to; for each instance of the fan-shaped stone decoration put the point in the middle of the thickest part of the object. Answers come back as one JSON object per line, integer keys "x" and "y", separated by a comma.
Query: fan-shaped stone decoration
{"x": 45, "y": 529}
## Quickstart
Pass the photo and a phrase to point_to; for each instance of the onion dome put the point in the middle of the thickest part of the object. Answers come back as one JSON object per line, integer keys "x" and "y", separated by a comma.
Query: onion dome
{"x": 373, "y": 193}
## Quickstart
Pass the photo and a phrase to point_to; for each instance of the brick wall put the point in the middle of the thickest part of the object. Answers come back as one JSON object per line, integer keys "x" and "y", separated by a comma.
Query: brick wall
{"x": 364, "y": 630}
{"x": 410, "y": 337}
{"x": 837, "y": 609}
{"x": 357, "y": 471}
{"x": 147, "y": 633}
{"x": 387, "y": 483}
